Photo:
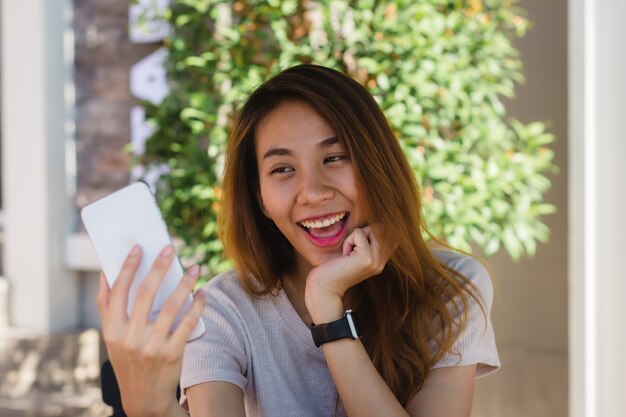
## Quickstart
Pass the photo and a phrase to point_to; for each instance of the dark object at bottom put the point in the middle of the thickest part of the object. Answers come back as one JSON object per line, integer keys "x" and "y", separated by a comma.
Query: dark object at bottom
{"x": 111, "y": 390}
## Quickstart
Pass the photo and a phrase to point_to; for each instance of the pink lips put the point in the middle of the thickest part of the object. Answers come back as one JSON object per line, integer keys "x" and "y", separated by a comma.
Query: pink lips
{"x": 330, "y": 237}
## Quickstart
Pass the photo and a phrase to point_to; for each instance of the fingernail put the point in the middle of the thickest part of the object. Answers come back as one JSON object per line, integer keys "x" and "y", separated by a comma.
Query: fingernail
{"x": 193, "y": 271}
{"x": 167, "y": 251}
{"x": 134, "y": 251}
{"x": 199, "y": 293}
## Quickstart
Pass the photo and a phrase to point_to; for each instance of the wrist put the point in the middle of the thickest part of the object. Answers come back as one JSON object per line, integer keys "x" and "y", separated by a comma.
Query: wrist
{"x": 346, "y": 327}
{"x": 323, "y": 305}
{"x": 326, "y": 311}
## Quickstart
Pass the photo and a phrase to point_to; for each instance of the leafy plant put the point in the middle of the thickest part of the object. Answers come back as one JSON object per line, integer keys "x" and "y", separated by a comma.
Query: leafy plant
{"x": 438, "y": 69}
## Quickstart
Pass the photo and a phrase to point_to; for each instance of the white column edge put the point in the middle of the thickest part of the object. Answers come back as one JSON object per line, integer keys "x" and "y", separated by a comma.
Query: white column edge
{"x": 582, "y": 309}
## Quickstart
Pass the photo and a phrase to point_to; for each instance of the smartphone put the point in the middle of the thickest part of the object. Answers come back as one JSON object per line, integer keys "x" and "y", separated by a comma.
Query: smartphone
{"x": 116, "y": 223}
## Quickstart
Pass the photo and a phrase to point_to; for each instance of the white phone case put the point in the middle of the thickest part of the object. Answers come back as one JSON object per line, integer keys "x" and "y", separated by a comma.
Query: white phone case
{"x": 122, "y": 219}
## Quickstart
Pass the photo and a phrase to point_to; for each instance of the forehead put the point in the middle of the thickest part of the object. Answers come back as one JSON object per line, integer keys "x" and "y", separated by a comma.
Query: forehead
{"x": 291, "y": 124}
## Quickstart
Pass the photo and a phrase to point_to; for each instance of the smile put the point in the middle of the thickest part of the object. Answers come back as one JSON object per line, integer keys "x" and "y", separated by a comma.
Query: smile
{"x": 326, "y": 231}
{"x": 323, "y": 222}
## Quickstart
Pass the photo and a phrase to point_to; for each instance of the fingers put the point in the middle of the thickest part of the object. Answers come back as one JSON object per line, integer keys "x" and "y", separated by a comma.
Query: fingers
{"x": 373, "y": 235}
{"x": 119, "y": 292}
{"x": 189, "y": 322}
{"x": 357, "y": 242}
{"x": 150, "y": 285}
{"x": 348, "y": 246}
{"x": 174, "y": 303}
{"x": 103, "y": 295}
{"x": 362, "y": 244}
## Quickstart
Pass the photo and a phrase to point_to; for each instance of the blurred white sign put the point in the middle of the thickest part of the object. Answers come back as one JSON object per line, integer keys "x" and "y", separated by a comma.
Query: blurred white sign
{"x": 140, "y": 129}
{"x": 148, "y": 78}
{"x": 145, "y": 21}
{"x": 140, "y": 132}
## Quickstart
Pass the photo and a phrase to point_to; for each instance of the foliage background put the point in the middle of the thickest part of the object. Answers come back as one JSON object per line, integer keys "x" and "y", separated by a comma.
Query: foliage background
{"x": 438, "y": 69}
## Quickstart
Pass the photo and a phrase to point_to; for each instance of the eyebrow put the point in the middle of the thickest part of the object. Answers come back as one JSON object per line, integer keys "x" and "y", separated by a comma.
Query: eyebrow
{"x": 326, "y": 143}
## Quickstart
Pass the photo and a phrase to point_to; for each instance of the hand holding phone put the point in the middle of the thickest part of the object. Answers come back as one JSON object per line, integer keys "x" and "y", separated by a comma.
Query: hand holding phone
{"x": 129, "y": 217}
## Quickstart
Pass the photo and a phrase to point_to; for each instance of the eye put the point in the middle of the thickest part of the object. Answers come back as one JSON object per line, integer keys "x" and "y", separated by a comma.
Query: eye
{"x": 281, "y": 170}
{"x": 335, "y": 158}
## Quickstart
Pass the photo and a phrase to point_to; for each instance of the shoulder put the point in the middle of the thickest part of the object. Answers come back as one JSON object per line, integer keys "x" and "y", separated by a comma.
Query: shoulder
{"x": 221, "y": 353}
{"x": 465, "y": 264}
{"x": 225, "y": 283}
{"x": 226, "y": 290}
{"x": 471, "y": 268}
{"x": 475, "y": 344}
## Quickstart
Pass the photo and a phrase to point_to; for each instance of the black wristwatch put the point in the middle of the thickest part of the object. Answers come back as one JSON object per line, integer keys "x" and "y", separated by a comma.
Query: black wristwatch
{"x": 344, "y": 328}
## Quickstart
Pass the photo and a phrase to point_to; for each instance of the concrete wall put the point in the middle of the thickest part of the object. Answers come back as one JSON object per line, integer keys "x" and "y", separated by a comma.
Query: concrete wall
{"x": 530, "y": 309}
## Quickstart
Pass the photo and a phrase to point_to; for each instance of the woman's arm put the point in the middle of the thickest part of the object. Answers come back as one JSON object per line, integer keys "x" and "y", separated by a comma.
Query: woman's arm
{"x": 217, "y": 399}
{"x": 446, "y": 391}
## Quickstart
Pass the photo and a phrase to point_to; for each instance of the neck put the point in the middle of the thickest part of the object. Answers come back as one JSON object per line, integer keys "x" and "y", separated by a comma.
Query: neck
{"x": 294, "y": 287}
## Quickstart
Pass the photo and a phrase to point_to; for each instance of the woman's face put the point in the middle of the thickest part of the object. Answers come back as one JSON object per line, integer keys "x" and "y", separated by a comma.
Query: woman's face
{"x": 307, "y": 183}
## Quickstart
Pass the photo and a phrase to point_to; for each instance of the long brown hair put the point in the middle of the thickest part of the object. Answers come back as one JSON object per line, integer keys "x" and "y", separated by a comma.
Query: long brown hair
{"x": 413, "y": 311}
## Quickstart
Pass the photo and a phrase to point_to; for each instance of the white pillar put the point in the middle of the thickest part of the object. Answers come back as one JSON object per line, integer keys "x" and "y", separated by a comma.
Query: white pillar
{"x": 597, "y": 201}
{"x": 37, "y": 55}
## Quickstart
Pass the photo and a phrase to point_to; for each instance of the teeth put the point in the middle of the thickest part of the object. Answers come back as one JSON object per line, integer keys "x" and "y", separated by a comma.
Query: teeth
{"x": 318, "y": 224}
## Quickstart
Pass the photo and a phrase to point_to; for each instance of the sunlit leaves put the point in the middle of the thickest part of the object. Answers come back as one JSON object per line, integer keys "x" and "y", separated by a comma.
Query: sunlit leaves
{"x": 438, "y": 68}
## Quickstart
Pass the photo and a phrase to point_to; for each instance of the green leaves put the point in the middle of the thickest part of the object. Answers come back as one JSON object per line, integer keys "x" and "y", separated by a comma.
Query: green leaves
{"x": 438, "y": 69}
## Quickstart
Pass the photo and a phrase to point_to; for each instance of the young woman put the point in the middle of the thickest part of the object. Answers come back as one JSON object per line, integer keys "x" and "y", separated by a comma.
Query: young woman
{"x": 321, "y": 214}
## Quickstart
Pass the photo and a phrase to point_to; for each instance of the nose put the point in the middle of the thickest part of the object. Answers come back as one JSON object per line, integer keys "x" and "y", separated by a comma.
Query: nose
{"x": 314, "y": 188}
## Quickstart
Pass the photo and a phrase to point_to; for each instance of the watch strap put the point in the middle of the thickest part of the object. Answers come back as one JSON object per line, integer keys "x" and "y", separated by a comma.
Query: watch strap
{"x": 346, "y": 327}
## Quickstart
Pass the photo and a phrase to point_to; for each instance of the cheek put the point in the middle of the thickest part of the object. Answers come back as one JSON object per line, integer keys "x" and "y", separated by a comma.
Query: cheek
{"x": 272, "y": 203}
{"x": 348, "y": 185}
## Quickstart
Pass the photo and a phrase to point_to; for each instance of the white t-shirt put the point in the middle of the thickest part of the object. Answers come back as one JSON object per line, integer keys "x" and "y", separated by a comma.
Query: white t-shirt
{"x": 261, "y": 345}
